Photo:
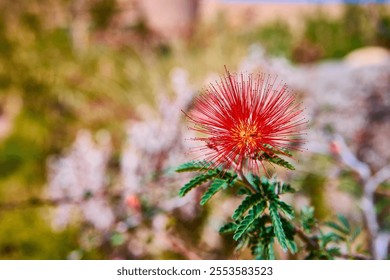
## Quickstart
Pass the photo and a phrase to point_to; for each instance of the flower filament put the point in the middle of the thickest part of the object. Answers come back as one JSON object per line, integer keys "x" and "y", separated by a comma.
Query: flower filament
{"x": 246, "y": 135}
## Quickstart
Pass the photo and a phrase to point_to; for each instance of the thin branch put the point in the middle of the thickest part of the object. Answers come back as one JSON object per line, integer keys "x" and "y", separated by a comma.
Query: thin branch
{"x": 370, "y": 184}
{"x": 354, "y": 257}
{"x": 313, "y": 244}
{"x": 348, "y": 158}
{"x": 245, "y": 180}
{"x": 381, "y": 176}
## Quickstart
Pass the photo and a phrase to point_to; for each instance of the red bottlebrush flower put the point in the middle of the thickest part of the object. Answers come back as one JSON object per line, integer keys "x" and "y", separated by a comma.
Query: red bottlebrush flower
{"x": 242, "y": 117}
{"x": 133, "y": 202}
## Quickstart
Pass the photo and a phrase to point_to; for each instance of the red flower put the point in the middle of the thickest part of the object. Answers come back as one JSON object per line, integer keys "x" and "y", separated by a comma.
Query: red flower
{"x": 242, "y": 117}
{"x": 133, "y": 202}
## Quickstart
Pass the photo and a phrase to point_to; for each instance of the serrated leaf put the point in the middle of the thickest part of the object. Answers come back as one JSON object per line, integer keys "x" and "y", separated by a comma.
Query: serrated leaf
{"x": 243, "y": 191}
{"x": 333, "y": 252}
{"x": 278, "y": 161}
{"x": 270, "y": 253}
{"x": 224, "y": 174}
{"x": 286, "y": 208}
{"x": 242, "y": 243}
{"x": 247, "y": 203}
{"x": 289, "y": 232}
{"x": 268, "y": 250}
{"x": 213, "y": 189}
{"x": 253, "y": 214}
{"x": 279, "y": 151}
{"x": 196, "y": 181}
{"x": 307, "y": 219}
{"x": 257, "y": 253}
{"x": 228, "y": 228}
{"x": 337, "y": 227}
{"x": 193, "y": 166}
{"x": 344, "y": 222}
{"x": 268, "y": 187}
{"x": 264, "y": 251}
{"x": 330, "y": 237}
{"x": 277, "y": 224}
{"x": 292, "y": 246}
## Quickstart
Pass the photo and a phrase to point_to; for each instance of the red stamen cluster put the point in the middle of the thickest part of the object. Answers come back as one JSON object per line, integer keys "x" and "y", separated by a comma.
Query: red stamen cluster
{"x": 242, "y": 117}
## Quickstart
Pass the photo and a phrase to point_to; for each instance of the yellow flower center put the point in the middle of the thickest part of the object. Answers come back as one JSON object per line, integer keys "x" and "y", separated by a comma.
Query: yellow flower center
{"x": 246, "y": 135}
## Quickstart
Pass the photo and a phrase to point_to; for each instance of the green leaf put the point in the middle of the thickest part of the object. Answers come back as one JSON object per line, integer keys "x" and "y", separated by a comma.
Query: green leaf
{"x": 284, "y": 188}
{"x": 267, "y": 251}
{"x": 344, "y": 222}
{"x": 196, "y": 181}
{"x": 253, "y": 214}
{"x": 333, "y": 252}
{"x": 229, "y": 176}
{"x": 307, "y": 219}
{"x": 292, "y": 246}
{"x": 254, "y": 180}
{"x": 213, "y": 189}
{"x": 243, "y": 191}
{"x": 264, "y": 249}
{"x": 264, "y": 182}
{"x": 289, "y": 232}
{"x": 286, "y": 208}
{"x": 355, "y": 233}
{"x": 193, "y": 166}
{"x": 277, "y": 224}
{"x": 337, "y": 227}
{"x": 269, "y": 188}
{"x": 242, "y": 243}
{"x": 270, "y": 253}
{"x": 279, "y": 151}
{"x": 278, "y": 161}
{"x": 247, "y": 203}
{"x": 228, "y": 228}
{"x": 330, "y": 237}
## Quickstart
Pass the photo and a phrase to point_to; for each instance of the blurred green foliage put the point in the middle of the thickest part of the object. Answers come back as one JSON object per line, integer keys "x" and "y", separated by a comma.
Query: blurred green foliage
{"x": 56, "y": 90}
{"x": 359, "y": 26}
{"x": 276, "y": 37}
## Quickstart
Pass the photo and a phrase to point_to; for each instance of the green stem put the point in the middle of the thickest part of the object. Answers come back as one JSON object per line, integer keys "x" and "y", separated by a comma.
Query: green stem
{"x": 246, "y": 182}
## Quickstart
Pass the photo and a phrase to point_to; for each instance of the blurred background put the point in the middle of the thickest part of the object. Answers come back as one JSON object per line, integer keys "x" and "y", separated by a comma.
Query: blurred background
{"x": 91, "y": 129}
